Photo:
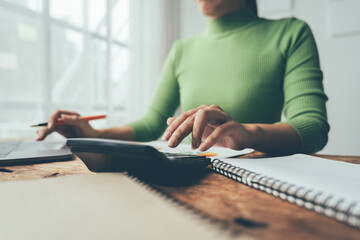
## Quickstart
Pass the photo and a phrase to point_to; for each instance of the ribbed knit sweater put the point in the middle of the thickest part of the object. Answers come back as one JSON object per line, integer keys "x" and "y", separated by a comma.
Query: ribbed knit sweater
{"x": 253, "y": 68}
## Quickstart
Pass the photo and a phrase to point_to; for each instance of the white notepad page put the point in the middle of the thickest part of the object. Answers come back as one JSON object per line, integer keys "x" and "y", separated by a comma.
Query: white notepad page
{"x": 340, "y": 179}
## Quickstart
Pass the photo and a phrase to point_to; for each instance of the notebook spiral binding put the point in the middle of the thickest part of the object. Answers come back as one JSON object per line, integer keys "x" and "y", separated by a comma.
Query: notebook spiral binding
{"x": 329, "y": 205}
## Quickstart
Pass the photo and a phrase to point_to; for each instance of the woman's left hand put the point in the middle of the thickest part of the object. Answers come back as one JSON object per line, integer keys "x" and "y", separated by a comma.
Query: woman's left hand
{"x": 209, "y": 126}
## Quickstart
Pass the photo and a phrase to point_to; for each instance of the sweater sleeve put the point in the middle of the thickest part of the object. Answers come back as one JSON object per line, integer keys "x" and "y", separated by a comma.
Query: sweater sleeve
{"x": 304, "y": 97}
{"x": 165, "y": 101}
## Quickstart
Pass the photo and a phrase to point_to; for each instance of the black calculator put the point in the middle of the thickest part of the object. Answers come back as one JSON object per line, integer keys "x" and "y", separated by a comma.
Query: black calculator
{"x": 139, "y": 159}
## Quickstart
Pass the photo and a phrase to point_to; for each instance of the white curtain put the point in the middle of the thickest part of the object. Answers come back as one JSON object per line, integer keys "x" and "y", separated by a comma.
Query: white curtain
{"x": 154, "y": 25}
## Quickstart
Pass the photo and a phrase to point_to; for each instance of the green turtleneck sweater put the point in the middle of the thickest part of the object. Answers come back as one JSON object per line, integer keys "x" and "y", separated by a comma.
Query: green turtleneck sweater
{"x": 253, "y": 68}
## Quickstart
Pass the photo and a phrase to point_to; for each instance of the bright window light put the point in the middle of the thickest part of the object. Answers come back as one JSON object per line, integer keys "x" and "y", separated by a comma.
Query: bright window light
{"x": 57, "y": 54}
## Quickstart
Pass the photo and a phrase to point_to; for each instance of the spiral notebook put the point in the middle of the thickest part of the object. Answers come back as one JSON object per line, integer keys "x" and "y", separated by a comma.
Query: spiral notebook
{"x": 325, "y": 186}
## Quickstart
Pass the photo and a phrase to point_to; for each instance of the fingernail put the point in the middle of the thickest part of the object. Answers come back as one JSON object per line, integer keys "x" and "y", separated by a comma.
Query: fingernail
{"x": 198, "y": 144}
{"x": 193, "y": 144}
{"x": 166, "y": 136}
{"x": 50, "y": 124}
{"x": 203, "y": 146}
{"x": 172, "y": 142}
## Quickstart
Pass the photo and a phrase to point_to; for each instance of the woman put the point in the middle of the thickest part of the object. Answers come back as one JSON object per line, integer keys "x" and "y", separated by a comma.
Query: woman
{"x": 232, "y": 81}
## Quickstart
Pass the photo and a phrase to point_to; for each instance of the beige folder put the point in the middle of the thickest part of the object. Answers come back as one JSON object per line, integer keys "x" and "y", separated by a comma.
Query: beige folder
{"x": 98, "y": 206}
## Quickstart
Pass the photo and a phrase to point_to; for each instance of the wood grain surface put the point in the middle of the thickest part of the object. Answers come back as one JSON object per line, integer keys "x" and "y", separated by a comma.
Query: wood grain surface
{"x": 237, "y": 207}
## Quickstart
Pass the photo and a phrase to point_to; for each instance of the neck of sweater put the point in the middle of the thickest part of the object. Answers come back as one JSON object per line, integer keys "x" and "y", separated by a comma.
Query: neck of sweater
{"x": 230, "y": 22}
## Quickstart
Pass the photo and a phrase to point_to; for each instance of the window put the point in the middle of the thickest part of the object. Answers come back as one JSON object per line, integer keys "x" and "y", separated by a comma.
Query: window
{"x": 62, "y": 54}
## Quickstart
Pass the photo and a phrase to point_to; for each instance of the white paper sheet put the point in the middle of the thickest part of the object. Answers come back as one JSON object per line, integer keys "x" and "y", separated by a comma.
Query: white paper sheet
{"x": 186, "y": 148}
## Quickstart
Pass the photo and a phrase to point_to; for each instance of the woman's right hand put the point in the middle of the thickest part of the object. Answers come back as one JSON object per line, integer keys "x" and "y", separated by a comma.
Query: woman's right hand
{"x": 74, "y": 126}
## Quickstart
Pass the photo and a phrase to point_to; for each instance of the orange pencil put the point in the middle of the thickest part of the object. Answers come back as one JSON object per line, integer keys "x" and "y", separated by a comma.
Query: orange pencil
{"x": 60, "y": 121}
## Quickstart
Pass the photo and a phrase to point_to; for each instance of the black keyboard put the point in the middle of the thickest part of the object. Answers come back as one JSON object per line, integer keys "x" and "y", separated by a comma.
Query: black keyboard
{"x": 104, "y": 155}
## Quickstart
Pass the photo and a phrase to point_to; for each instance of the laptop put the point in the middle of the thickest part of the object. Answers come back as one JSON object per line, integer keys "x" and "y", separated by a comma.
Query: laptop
{"x": 30, "y": 152}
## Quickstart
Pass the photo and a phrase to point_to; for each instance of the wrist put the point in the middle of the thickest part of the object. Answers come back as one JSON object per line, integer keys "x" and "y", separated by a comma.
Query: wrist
{"x": 253, "y": 135}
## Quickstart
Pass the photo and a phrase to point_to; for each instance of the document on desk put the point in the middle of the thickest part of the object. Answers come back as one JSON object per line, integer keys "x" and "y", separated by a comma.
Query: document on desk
{"x": 326, "y": 186}
{"x": 218, "y": 152}
{"x": 96, "y": 206}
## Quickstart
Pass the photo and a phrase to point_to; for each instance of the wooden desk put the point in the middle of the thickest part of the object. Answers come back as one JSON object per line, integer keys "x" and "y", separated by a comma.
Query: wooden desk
{"x": 243, "y": 210}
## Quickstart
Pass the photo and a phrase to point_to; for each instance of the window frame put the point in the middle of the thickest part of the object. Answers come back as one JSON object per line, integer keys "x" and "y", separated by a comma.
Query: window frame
{"x": 46, "y": 22}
